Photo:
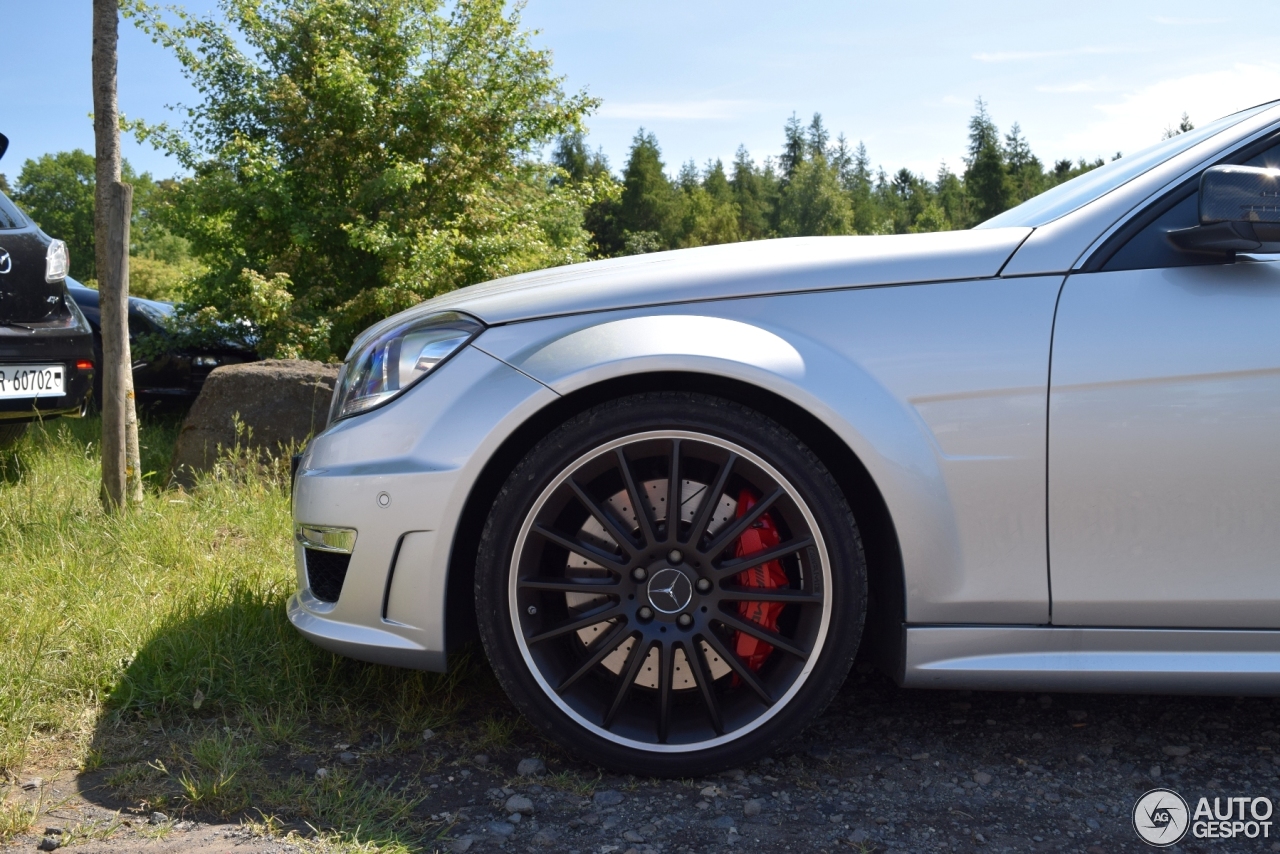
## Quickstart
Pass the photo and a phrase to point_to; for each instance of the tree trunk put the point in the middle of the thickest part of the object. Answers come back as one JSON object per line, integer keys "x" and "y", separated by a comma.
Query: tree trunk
{"x": 121, "y": 474}
{"x": 113, "y": 205}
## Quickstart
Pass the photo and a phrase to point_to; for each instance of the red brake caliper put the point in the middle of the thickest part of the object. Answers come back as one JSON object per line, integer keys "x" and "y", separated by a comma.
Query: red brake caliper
{"x": 762, "y": 534}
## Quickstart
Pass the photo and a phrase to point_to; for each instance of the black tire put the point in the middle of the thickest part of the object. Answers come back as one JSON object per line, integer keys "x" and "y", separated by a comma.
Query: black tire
{"x": 721, "y": 709}
{"x": 11, "y": 434}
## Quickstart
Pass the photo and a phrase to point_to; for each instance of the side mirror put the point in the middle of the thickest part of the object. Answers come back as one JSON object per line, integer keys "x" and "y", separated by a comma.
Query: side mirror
{"x": 4, "y": 144}
{"x": 1239, "y": 212}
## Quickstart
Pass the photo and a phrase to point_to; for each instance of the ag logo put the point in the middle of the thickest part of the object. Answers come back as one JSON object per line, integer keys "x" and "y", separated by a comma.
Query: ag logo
{"x": 6, "y": 262}
{"x": 1161, "y": 818}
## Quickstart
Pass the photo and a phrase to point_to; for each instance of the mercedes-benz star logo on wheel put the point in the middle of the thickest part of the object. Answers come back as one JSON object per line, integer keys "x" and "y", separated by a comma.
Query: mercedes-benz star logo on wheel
{"x": 6, "y": 262}
{"x": 670, "y": 590}
{"x": 1161, "y": 818}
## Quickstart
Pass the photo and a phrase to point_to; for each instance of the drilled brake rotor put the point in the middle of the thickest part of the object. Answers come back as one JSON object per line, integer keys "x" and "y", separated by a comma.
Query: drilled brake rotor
{"x": 592, "y": 531}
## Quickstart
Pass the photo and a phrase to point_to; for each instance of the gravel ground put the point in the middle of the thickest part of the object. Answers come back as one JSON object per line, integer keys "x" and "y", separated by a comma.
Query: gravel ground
{"x": 884, "y": 769}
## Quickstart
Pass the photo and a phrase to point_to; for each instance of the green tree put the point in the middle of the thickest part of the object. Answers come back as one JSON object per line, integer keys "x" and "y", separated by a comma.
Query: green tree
{"x": 813, "y": 203}
{"x": 986, "y": 179}
{"x": 819, "y": 137}
{"x": 649, "y": 204}
{"x": 708, "y": 212}
{"x": 949, "y": 192}
{"x": 931, "y": 218}
{"x": 795, "y": 148}
{"x": 716, "y": 181}
{"x": 579, "y": 162}
{"x": 1026, "y": 173}
{"x": 583, "y": 166}
{"x": 755, "y": 192}
{"x": 351, "y": 158}
{"x": 856, "y": 179}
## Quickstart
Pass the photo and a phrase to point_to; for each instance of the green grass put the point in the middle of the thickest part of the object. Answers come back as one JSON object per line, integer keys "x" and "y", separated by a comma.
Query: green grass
{"x": 153, "y": 646}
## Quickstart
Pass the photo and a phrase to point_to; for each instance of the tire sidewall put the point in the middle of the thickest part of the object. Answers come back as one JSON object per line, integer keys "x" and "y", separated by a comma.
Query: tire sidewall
{"x": 685, "y": 411}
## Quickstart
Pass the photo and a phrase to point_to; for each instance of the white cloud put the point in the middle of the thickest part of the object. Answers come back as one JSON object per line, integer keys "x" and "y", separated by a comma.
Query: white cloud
{"x": 1138, "y": 117}
{"x": 676, "y": 110}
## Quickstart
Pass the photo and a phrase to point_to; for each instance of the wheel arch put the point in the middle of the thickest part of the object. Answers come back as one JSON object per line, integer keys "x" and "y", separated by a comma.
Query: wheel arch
{"x": 883, "y": 636}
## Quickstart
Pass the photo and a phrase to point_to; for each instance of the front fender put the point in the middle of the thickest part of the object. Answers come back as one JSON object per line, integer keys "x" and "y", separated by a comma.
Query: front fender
{"x": 806, "y": 348}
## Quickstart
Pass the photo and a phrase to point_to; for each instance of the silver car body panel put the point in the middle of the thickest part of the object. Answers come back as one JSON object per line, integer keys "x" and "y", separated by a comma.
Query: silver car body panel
{"x": 1164, "y": 448}
{"x": 1035, "y": 658}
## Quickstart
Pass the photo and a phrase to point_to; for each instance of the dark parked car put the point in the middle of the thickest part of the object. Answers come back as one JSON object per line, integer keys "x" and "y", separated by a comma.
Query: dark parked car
{"x": 178, "y": 373}
{"x": 46, "y": 345}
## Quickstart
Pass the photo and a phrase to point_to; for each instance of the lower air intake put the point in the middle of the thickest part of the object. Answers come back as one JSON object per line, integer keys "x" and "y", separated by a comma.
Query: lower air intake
{"x": 325, "y": 573}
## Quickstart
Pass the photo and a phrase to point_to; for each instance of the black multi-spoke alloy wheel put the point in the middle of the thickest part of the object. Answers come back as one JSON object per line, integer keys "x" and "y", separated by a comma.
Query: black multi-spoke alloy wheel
{"x": 670, "y": 583}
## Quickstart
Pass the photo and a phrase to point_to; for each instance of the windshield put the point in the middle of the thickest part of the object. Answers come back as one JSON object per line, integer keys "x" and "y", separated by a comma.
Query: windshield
{"x": 1064, "y": 198}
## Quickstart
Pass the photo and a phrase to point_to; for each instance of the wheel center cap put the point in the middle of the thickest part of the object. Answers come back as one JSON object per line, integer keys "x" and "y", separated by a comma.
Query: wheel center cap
{"x": 670, "y": 590}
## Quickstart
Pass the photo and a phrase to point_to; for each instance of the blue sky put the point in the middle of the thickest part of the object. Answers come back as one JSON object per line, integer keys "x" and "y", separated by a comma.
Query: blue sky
{"x": 1082, "y": 79}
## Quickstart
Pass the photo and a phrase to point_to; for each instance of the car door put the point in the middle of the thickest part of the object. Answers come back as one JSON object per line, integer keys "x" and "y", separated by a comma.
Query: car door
{"x": 1164, "y": 435}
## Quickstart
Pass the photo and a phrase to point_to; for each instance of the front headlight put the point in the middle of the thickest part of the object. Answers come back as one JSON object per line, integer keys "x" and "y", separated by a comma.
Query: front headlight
{"x": 388, "y": 363}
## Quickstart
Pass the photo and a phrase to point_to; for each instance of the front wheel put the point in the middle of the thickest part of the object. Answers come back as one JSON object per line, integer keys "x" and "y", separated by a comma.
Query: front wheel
{"x": 670, "y": 584}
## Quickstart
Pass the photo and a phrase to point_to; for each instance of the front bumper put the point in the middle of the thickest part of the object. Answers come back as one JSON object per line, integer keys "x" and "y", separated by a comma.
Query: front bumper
{"x": 400, "y": 476}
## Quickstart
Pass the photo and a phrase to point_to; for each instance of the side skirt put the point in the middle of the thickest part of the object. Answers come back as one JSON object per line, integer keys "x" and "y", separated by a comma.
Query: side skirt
{"x": 1140, "y": 661}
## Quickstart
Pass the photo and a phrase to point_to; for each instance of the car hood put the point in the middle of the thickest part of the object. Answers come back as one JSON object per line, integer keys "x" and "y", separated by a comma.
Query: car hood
{"x": 753, "y": 268}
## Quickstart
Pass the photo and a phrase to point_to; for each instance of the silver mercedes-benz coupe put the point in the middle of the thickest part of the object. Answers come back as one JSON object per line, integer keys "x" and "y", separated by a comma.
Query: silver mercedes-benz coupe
{"x": 676, "y": 493}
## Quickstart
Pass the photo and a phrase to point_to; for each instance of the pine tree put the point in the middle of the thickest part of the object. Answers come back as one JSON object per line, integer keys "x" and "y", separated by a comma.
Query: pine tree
{"x": 819, "y": 136}
{"x": 794, "y": 147}
{"x": 1026, "y": 174}
{"x": 688, "y": 177}
{"x": 649, "y": 204}
{"x": 572, "y": 155}
{"x": 841, "y": 159}
{"x": 754, "y": 195}
{"x": 857, "y": 183}
{"x": 813, "y": 203}
{"x": 861, "y": 165}
{"x": 951, "y": 198}
{"x": 913, "y": 195}
{"x": 708, "y": 214}
{"x": 986, "y": 179}
{"x": 716, "y": 182}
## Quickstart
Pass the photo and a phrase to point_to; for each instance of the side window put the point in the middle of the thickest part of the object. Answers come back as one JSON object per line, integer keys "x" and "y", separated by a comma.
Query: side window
{"x": 1144, "y": 245}
{"x": 10, "y": 216}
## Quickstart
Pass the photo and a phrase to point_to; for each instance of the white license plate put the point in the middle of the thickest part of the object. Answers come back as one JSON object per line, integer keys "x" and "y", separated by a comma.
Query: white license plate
{"x": 32, "y": 381}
